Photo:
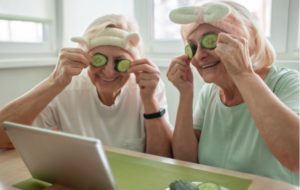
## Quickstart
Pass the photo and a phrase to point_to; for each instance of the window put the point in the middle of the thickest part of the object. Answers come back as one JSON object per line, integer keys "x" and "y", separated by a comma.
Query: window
{"x": 21, "y": 31}
{"x": 28, "y": 29}
{"x": 277, "y": 18}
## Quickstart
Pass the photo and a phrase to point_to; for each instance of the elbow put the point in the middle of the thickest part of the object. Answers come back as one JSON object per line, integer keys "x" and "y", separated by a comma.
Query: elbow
{"x": 5, "y": 142}
{"x": 184, "y": 154}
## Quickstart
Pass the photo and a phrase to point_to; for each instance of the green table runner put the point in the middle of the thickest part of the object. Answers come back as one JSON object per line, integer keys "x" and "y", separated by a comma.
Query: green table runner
{"x": 133, "y": 173}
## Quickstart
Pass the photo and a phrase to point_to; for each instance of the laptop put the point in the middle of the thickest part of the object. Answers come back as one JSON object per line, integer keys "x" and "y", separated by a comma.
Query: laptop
{"x": 56, "y": 157}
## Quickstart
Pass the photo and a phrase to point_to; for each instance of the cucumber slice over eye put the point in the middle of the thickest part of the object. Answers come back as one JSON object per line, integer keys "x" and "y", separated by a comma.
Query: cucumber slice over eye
{"x": 122, "y": 65}
{"x": 208, "y": 186}
{"x": 209, "y": 40}
{"x": 98, "y": 60}
{"x": 190, "y": 50}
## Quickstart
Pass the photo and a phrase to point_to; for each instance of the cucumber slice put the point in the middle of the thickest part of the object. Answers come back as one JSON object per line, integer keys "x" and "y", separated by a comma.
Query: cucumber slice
{"x": 208, "y": 186}
{"x": 209, "y": 40}
{"x": 122, "y": 65}
{"x": 99, "y": 60}
{"x": 182, "y": 185}
{"x": 190, "y": 50}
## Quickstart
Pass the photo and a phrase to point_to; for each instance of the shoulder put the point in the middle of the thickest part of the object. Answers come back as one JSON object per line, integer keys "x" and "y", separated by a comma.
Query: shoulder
{"x": 280, "y": 78}
{"x": 278, "y": 72}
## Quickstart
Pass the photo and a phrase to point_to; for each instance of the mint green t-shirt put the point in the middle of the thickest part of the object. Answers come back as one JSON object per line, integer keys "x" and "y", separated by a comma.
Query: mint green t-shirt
{"x": 229, "y": 138}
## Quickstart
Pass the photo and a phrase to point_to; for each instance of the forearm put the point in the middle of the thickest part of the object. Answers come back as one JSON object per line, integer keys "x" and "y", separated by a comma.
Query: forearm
{"x": 185, "y": 143}
{"x": 158, "y": 132}
{"x": 26, "y": 108}
{"x": 158, "y": 139}
{"x": 277, "y": 124}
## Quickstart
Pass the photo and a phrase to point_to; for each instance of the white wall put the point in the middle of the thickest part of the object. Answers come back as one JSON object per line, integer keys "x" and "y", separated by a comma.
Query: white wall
{"x": 16, "y": 81}
{"x": 78, "y": 14}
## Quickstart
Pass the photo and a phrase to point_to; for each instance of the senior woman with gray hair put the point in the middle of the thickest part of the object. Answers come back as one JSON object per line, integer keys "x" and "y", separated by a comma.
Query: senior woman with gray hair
{"x": 103, "y": 89}
{"x": 247, "y": 113}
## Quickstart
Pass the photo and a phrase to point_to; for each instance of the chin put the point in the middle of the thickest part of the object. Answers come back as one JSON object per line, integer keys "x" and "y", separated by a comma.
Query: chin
{"x": 206, "y": 80}
{"x": 207, "y": 77}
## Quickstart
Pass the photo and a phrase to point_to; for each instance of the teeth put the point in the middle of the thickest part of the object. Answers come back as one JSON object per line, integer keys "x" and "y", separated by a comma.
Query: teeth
{"x": 106, "y": 79}
{"x": 209, "y": 65}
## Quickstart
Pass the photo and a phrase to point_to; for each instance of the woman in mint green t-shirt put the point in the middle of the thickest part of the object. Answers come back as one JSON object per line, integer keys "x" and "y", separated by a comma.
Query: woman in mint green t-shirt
{"x": 247, "y": 114}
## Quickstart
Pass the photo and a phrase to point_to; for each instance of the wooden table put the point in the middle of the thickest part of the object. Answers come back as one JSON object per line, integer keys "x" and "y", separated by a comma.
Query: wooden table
{"x": 13, "y": 170}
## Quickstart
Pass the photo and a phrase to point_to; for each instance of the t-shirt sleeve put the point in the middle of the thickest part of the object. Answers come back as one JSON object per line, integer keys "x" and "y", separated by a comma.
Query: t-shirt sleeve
{"x": 199, "y": 108}
{"x": 48, "y": 118}
{"x": 287, "y": 90}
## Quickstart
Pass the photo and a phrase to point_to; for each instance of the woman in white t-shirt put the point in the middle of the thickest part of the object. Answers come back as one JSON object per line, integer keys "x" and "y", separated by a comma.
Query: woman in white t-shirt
{"x": 101, "y": 89}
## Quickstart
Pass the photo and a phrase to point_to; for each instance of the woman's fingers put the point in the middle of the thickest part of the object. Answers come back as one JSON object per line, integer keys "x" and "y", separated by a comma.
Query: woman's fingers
{"x": 177, "y": 66}
{"x": 147, "y": 83}
{"x": 234, "y": 53}
{"x": 75, "y": 55}
{"x": 143, "y": 65}
{"x": 71, "y": 62}
{"x": 181, "y": 60}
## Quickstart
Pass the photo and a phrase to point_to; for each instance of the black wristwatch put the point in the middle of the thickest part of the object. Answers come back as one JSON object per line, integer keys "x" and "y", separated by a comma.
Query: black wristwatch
{"x": 158, "y": 114}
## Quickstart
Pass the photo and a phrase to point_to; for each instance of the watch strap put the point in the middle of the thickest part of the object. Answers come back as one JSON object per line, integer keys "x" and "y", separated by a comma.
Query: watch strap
{"x": 154, "y": 115}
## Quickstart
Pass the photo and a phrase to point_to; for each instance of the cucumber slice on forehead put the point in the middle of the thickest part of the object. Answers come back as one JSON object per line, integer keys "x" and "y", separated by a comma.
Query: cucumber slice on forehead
{"x": 122, "y": 65}
{"x": 98, "y": 60}
{"x": 190, "y": 50}
{"x": 209, "y": 40}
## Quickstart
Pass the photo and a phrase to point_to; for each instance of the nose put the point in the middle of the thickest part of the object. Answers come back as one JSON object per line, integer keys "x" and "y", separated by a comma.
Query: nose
{"x": 201, "y": 53}
{"x": 109, "y": 69}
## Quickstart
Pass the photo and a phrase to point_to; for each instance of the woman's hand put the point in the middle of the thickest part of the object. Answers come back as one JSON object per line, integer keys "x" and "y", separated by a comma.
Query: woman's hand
{"x": 234, "y": 53}
{"x": 180, "y": 74}
{"x": 71, "y": 62}
{"x": 147, "y": 77}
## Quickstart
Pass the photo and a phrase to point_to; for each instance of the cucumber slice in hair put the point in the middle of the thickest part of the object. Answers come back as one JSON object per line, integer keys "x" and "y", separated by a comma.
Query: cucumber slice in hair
{"x": 122, "y": 65}
{"x": 99, "y": 60}
{"x": 209, "y": 40}
{"x": 208, "y": 186}
{"x": 190, "y": 50}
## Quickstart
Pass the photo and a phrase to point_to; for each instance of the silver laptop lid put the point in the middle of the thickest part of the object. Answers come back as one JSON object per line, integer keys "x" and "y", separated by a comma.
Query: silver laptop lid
{"x": 67, "y": 159}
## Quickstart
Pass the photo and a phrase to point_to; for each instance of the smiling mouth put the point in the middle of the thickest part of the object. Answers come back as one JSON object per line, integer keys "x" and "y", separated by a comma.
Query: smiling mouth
{"x": 210, "y": 65}
{"x": 107, "y": 79}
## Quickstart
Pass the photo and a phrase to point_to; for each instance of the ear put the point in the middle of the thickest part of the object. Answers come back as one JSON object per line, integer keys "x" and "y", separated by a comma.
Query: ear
{"x": 215, "y": 12}
{"x": 132, "y": 39}
{"x": 82, "y": 42}
{"x": 185, "y": 15}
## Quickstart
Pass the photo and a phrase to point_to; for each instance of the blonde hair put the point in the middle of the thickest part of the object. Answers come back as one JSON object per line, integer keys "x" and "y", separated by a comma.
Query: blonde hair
{"x": 263, "y": 54}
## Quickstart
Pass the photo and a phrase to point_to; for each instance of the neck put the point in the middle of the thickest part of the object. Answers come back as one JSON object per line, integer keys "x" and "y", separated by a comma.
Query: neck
{"x": 230, "y": 96}
{"x": 229, "y": 93}
{"x": 108, "y": 99}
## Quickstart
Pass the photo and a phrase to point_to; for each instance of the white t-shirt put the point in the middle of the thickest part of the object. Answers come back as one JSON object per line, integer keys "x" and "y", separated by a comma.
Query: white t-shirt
{"x": 78, "y": 110}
